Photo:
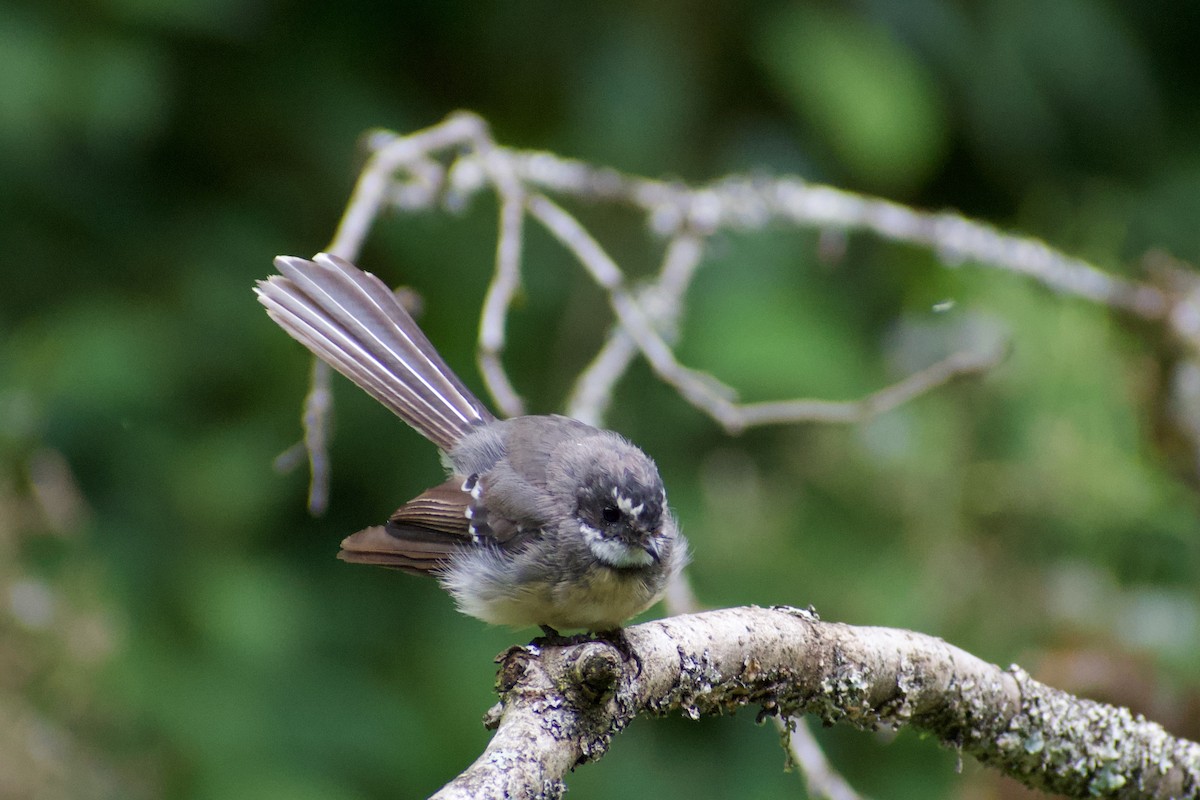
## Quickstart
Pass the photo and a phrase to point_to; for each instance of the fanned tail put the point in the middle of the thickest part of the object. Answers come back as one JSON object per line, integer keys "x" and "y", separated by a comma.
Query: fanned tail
{"x": 351, "y": 320}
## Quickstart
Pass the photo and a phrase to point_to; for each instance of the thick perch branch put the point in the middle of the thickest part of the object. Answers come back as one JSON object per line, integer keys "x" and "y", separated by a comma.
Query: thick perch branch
{"x": 562, "y": 705}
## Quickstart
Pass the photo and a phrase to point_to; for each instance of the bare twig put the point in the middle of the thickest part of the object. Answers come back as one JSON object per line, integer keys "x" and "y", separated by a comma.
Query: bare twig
{"x": 663, "y": 300}
{"x": 834, "y": 412}
{"x": 562, "y": 705}
{"x": 376, "y": 189}
{"x": 318, "y": 406}
{"x": 392, "y": 153}
{"x": 744, "y": 203}
{"x": 411, "y": 172}
{"x": 697, "y": 387}
{"x": 706, "y": 392}
{"x": 315, "y": 421}
{"x": 820, "y": 778}
{"x": 505, "y": 281}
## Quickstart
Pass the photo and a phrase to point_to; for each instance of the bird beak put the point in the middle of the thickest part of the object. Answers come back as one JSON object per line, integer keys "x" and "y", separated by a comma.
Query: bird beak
{"x": 649, "y": 543}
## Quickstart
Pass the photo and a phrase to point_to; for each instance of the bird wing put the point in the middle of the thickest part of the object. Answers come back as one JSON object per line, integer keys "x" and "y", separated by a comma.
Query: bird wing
{"x": 424, "y": 534}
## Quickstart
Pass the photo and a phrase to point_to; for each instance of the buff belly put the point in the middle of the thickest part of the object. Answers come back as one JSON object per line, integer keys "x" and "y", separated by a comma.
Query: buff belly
{"x": 599, "y": 600}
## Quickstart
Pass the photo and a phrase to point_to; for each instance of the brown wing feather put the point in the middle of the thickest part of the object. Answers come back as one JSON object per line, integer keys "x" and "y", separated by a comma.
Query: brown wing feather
{"x": 420, "y": 537}
{"x": 424, "y": 534}
{"x": 442, "y": 508}
{"x": 382, "y": 546}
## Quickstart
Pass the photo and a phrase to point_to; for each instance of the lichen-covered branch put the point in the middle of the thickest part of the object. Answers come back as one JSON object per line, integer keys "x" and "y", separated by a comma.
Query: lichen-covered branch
{"x": 561, "y": 705}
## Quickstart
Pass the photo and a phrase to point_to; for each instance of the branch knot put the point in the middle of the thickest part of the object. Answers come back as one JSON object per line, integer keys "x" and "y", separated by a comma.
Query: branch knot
{"x": 592, "y": 672}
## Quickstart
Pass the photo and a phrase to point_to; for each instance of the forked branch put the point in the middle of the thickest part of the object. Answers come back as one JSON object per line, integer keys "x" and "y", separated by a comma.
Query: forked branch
{"x": 452, "y": 161}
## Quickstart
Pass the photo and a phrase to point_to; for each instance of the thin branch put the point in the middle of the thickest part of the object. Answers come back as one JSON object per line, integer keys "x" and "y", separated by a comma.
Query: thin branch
{"x": 703, "y": 390}
{"x": 696, "y": 387}
{"x": 315, "y": 422}
{"x": 751, "y": 203}
{"x": 592, "y": 395}
{"x": 376, "y": 189}
{"x": 561, "y": 706}
{"x": 956, "y": 365}
{"x": 318, "y": 407}
{"x": 391, "y": 153}
{"x": 663, "y": 300}
{"x": 505, "y": 282}
{"x": 820, "y": 778}
{"x": 736, "y": 203}
{"x": 409, "y": 172}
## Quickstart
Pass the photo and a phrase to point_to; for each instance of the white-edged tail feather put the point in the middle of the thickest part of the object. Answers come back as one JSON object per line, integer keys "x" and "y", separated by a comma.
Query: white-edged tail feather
{"x": 351, "y": 320}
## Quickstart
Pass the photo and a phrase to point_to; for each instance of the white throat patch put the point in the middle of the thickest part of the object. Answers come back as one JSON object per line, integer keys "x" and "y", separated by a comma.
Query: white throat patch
{"x": 613, "y": 552}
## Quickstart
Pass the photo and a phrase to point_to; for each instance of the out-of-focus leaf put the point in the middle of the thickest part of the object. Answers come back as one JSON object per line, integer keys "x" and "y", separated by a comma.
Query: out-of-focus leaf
{"x": 870, "y": 99}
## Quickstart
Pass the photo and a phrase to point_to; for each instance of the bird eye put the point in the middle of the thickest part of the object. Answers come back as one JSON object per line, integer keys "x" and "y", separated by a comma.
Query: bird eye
{"x": 610, "y": 514}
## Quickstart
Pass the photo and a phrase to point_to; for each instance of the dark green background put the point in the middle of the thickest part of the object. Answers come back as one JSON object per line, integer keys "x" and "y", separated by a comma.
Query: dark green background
{"x": 181, "y": 629}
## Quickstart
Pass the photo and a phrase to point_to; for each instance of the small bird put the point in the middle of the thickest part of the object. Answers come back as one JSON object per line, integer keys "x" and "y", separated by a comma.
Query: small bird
{"x": 544, "y": 520}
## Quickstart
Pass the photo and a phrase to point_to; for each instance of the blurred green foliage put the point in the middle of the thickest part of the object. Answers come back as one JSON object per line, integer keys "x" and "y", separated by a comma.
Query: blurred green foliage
{"x": 173, "y": 624}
